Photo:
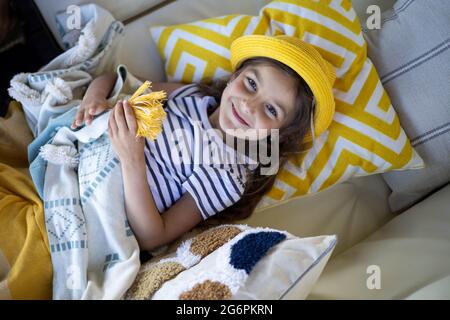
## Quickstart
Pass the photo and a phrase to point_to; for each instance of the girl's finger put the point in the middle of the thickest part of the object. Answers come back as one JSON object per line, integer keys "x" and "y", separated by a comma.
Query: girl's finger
{"x": 110, "y": 133}
{"x": 129, "y": 116}
{"x": 79, "y": 118}
{"x": 112, "y": 123}
{"x": 88, "y": 117}
{"x": 120, "y": 117}
{"x": 93, "y": 111}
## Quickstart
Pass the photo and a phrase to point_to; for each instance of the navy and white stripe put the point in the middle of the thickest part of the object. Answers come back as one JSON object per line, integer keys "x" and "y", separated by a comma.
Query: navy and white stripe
{"x": 171, "y": 172}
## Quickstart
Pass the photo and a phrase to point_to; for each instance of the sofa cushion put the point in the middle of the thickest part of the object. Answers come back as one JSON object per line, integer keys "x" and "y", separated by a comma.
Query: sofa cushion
{"x": 352, "y": 210}
{"x": 412, "y": 55}
{"x": 409, "y": 255}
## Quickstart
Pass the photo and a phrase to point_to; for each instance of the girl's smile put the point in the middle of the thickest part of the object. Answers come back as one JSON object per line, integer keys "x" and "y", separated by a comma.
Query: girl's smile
{"x": 238, "y": 117}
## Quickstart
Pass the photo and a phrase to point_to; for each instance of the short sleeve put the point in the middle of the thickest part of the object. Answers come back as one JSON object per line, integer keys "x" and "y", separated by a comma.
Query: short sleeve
{"x": 215, "y": 188}
{"x": 185, "y": 91}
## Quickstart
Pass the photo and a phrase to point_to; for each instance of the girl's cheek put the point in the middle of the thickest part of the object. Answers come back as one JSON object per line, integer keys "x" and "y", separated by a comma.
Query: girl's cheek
{"x": 264, "y": 122}
{"x": 242, "y": 87}
{"x": 237, "y": 87}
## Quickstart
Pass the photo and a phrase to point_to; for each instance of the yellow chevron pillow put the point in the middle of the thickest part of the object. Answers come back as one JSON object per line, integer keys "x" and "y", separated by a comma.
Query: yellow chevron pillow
{"x": 365, "y": 136}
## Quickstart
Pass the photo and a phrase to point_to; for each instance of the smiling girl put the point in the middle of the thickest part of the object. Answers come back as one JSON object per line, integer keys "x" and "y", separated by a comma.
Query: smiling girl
{"x": 278, "y": 83}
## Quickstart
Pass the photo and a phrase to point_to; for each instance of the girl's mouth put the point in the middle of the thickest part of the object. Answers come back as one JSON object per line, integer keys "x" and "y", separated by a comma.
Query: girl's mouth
{"x": 237, "y": 115}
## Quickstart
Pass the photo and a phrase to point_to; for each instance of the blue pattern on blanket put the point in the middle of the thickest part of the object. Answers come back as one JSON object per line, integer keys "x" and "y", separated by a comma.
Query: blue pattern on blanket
{"x": 96, "y": 162}
{"x": 110, "y": 260}
{"x": 63, "y": 226}
{"x": 128, "y": 230}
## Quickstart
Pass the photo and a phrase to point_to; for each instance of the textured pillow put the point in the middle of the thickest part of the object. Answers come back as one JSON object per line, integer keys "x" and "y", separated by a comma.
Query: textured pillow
{"x": 365, "y": 136}
{"x": 412, "y": 54}
{"x": 236, "y": 262}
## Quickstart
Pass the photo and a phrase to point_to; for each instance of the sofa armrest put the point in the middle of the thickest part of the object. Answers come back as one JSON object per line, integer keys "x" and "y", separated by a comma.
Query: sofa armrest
{"x": 411, "y": 253}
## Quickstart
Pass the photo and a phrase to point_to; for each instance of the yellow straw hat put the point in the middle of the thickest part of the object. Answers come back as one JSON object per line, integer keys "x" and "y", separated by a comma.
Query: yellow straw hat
{"x": 301, "y": 57}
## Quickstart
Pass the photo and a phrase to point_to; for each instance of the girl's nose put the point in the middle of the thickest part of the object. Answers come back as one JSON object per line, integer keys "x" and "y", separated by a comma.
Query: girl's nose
{"x": 249, "y": 106}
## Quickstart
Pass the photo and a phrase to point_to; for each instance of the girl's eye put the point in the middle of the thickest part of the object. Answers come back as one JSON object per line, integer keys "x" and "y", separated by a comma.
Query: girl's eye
{"x": 252, "y": 83}
{"x": 272, "y": 110}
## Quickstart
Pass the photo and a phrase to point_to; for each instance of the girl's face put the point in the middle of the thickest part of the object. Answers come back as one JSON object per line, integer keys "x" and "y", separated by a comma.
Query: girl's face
{"x": 260, "y": 97}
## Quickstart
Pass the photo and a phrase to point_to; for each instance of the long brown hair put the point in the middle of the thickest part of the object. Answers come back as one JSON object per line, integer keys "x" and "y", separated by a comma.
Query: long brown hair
{"x": 290, "y": 137}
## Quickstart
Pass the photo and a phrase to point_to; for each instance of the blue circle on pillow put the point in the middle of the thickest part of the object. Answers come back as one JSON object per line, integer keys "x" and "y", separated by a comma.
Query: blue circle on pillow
{"x": 246, "y": 253}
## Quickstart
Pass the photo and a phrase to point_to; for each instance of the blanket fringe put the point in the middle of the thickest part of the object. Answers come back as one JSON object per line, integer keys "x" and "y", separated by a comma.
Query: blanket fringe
{"x": 60, "y": 155}
{"x": 57, "y": 90}
{"x": 21, "y": 92}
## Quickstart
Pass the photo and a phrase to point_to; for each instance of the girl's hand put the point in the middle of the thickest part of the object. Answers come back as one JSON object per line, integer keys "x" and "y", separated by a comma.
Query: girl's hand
{"x": 88, "y": 108}
{"x": 122, "y": 129}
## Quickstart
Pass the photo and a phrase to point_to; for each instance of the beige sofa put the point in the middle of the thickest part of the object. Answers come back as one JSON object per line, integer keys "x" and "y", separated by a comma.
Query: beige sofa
{"x": 379, "y": 255}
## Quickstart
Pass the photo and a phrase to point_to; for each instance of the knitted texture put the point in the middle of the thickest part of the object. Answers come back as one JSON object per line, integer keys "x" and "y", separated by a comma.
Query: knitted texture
{"x": 190, "y": 252}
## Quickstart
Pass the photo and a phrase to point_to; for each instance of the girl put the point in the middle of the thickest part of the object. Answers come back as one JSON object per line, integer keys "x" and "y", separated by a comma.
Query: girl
{"x": 278, "y": 83}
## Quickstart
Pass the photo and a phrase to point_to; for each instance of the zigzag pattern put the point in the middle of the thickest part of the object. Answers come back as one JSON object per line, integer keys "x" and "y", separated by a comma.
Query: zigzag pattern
{"x": 365, "y": 136}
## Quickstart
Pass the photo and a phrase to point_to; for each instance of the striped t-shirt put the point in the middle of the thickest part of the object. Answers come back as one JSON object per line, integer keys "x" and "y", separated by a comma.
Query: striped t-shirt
{"x": 179, "y": 159}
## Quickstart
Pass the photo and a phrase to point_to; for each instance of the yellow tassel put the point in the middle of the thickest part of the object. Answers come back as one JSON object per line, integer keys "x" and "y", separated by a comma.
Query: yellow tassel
{"x": 148, "y": 110}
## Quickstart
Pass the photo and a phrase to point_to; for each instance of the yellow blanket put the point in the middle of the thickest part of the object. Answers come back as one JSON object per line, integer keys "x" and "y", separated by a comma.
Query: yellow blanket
{"x": 25, "y": 264}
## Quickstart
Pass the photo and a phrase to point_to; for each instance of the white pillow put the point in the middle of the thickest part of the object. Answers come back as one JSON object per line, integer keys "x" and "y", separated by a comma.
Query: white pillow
{"x": 288, "y": 270}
